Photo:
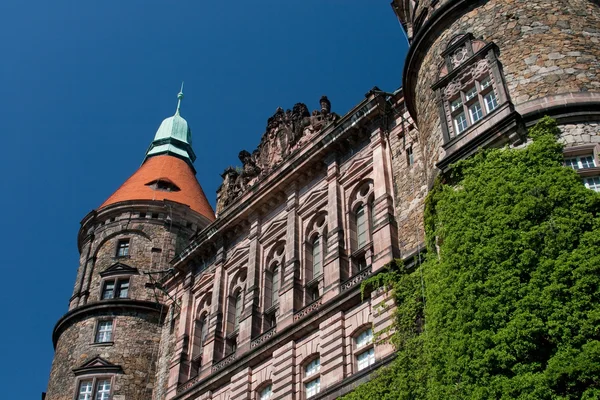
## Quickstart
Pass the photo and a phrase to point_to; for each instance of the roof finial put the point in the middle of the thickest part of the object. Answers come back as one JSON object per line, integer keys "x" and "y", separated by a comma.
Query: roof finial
{"x": 179, "y": 98}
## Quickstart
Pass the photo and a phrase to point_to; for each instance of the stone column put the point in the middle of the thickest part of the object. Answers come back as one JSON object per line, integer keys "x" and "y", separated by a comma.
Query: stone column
{"x": 284, "y": 376}
{"x": 241, "y": 383}
{"x": 332, "y": 268}
{"x": 180, "y": 360}
{"x": 290, "y": 294}
{"x": 213, "y": 345}
{"x": 385, "y": 230}
{"x": 250, "y": 318}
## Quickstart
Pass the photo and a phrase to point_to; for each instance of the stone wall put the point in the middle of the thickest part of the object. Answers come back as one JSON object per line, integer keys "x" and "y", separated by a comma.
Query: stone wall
{"x": 576, "y": 134}
{"x": 546, "y": 48}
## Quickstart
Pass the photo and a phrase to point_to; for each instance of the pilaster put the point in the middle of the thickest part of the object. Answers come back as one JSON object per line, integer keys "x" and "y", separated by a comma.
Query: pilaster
{"x": 250, "y": 318}
{"x": 290, "y": 294}
{"x": 284, "y": 374}
{"x": 333, "y": 271}
{"x": 333, "y": 361}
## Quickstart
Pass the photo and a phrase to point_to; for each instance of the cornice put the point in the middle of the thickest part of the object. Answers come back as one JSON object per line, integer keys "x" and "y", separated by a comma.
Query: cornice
{"x": 101, "y": 307}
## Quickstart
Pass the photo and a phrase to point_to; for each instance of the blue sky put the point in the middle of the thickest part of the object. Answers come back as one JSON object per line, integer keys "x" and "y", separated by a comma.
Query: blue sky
{"x": 85, "y": 85}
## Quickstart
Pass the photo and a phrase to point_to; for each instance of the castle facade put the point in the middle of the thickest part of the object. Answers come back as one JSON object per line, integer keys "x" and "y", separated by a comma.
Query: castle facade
{"x": 262, "y": 300}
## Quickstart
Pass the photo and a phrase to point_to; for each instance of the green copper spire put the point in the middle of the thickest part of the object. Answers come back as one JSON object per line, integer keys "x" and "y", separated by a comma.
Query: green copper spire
{"x": 173, "y": 137}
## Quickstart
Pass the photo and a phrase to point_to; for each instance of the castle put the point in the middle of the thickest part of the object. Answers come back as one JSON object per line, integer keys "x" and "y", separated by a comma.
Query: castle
{"x": 262, "y": 299}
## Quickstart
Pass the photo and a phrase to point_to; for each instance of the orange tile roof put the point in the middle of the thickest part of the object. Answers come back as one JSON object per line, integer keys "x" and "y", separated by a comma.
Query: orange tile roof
{"x": 169, "y": 168}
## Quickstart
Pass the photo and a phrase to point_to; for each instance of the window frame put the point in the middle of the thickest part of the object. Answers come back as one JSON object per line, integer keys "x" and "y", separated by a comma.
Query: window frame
{"x": 360, "y": 349}
{"x": 117, "y": 282}
{"x": 313, "y": 376}
{"x": 262, "y": 389}
{"x": 97, "y": 328}
{"x": 94, "y": 379}
{"x": 123, "y": 243}
{"x": 467, "y": 103}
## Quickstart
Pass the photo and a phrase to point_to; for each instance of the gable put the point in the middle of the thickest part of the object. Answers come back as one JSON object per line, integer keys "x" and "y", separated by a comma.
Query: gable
{"x": 97, "y": 365}
{"x": 357, "y": 169}
{"x": 119, "y": 269}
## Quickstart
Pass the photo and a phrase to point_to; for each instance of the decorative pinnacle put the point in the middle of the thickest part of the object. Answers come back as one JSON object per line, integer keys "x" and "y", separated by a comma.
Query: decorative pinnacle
{"x": 179, "y": 98}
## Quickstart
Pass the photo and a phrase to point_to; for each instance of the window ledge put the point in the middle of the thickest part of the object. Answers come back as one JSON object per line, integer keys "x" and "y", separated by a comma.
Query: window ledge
{"x": 233, "y": 334}
{"x": 588, "y": 172}
{"x": 314, "y": 281}
{"x": 272, "y": 309}
{"x": 102, "y": 344}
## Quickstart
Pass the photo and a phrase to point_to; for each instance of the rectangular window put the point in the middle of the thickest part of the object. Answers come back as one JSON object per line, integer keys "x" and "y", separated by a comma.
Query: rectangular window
{"x": 580, "y": 162}
{"x": 122, "y": 289}
{"x": 471, "y": 93}
{"x": 491, "y": 102}
{"x": 104, "y": 331}
{"x": 365, "y": 359}
{"x": 592, "y": 183}
{"x": 456, "y": 104}
{"x": 460, "y": 123}
{"x": 85, "y": 390}
{"x": 313, "y": 387}
{"x": 476, "y": 112}
{"x": 484, "y": 84}
{"x": 123, "y": 248}
{"x": 409, "y": 156}
{"x": 109, "y": 290}
{"x": 103, "y": 391}
{"x": 364, "y": 338}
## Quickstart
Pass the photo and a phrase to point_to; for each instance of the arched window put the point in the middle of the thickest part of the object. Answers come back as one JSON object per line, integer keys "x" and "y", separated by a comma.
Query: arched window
{"x": 316, "y": 256}
{"x": 361, "y": 226}
{"x": 266, "y": 393}
{"x": 200, "y": 334}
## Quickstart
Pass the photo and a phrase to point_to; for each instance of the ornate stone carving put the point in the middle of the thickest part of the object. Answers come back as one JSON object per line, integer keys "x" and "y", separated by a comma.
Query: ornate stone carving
{"x": 309, "y": 309}
{"x": 356, "y": 279}
{"x": 286, "y": 132}
{"x": 263, "y": 338}
{"x": 223, "y": 363}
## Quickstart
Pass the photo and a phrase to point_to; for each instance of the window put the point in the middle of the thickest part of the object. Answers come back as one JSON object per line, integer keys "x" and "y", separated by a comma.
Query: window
{"x": 581, "y": 162}
{"x": 94, "y": 389}
{"x": 266, "y": 393}
{"x": 316, "y": 254}
{"x": 409, "y": 156}
{"x": 275, "y": 286}
{"x": 238, "y": 310}
{"x": 312, "y": 388}
{"x": 361, "y": 226}
{"x": 104, "y": 331}
{"x": 365, "y": 359}
{"x": 123, "y": 248}
{"x": 115, "y": 289}
{"x": 466, "y": 110}
{"x": 592, "y": 183}
{"x": 364, "y": 341}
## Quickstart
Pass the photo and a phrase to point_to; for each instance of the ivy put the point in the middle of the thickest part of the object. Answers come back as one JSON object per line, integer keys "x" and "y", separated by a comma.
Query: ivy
{"x": 507, "y": 303}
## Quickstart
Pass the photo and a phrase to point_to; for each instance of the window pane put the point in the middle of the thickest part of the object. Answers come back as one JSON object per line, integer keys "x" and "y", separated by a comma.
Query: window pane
{"x": 85, "y": 390}
{"x": 103, "y": 389}
{"x": 313, "y": 367}
{"x": 593, "y": 183}
{"x": 275, "y": 286}
{"x": 238, "y": 310}
{"x": 123, "y": 289}
{"x": 361, "y": 226}
{"x": 471, "y": 93}
{"x": 365, "y": 359}
{"x": 490, "y": 101}
{"x": 123, "y": 248}
{"x": 313, "y": 387}
{"x": 364, "y": 338}
{"x": 460, "y": 123}
{"x": 476, "y": 112}
{"x": 456, "y": 104}
{"x": 109, "y": 290}
{"x": 484, "y": 84}
{"x": 316, "y": 257}
{"x": 572, "y": 162}
{"x": 587, "y": 162}
{"x": 104, "y": 333}
{"x": 266, "y": 393}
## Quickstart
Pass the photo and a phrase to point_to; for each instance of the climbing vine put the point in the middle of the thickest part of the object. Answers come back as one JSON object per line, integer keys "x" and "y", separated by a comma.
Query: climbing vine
{"x": 509, "y": 302}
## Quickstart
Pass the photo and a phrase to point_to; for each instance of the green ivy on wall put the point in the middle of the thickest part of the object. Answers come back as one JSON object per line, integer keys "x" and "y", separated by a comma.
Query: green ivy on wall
{"x": 507, "y": 303}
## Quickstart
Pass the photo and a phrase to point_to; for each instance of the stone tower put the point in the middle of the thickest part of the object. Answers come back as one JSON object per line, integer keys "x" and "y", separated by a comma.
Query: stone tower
{"x": 106, "y": 345}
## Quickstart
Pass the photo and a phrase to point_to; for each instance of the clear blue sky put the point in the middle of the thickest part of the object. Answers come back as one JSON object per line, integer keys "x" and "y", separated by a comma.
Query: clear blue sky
{"x": 84, "y": 86}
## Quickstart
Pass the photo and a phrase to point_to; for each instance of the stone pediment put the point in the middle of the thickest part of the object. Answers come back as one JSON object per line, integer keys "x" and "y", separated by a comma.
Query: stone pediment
{"x": 356, "y": 169}
{"x": 274, "y": 230}
{"x": 312, "y": 200}
{"x": 119, "y": 269}
{"x": 205, "y": 278}
{"x": 238, "y": 254}
{"x": 97, "y": 365}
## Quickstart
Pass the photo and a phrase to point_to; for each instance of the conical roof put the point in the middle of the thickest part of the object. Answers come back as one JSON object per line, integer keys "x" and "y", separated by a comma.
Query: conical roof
{"x": 167, "y": 172}
{"x": 164, "y": 177}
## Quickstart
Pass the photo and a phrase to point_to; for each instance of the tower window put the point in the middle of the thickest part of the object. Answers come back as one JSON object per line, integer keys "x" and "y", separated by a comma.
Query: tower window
{"x": 94, "y": 389}
{"x": 115, "y": 289}
{"x": 409, "y": 156}
{"x": 104, "y": 331}
{"x": 123, "y": 248}
{"x": 163, "y": 185}
{"x": 581, "y": 162}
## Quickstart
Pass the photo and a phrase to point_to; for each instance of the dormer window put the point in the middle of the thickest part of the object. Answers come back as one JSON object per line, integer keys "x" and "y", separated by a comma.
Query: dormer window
{"x": 163, "y": 185}
{"x": 473, "y": 104}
